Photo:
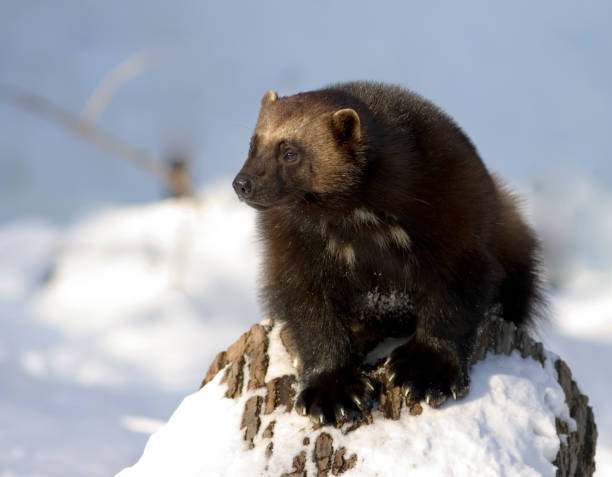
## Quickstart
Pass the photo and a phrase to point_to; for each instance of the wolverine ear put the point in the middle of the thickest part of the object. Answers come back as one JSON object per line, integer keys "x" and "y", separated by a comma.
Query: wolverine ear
{"x": 269, "y": 97}
{"x": 346, "y": 125}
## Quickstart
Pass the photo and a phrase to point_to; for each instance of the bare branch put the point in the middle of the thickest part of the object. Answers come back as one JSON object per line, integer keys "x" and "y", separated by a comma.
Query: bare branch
{"x": 90, "y": 133}
{"x": 112, "y": 82}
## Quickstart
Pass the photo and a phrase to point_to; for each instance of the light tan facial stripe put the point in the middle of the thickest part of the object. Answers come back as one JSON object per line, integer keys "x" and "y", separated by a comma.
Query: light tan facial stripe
{"x": 273, "y": 132}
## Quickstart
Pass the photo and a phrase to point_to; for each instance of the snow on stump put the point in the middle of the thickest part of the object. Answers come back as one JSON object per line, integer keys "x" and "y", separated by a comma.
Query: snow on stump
{"x": 523, "y": 416}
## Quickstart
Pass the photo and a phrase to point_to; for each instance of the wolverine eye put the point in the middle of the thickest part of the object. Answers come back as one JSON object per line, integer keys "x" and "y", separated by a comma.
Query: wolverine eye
{"x": 287, "y": 153}
{"x": 289, "y": 156}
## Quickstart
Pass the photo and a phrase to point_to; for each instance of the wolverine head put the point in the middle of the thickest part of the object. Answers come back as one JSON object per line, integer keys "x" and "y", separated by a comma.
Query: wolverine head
{"x": 304, "y": 147}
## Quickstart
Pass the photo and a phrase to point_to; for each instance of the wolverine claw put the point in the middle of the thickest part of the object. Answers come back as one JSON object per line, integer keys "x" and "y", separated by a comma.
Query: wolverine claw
{"x": 435, "y": 398}
{"x": 408, "y": 389}
{"x": 461, "y": 386}
{"x": 357, "y": 401}
{"x": 368, "y": 384}
{"x": 340, "y": 414}
{"x": 300, "y": 404}
{"x": 411, "y": 391}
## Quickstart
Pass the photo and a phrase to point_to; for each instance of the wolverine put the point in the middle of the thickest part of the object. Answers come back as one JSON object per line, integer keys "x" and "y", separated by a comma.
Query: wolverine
{"x": 379, "y": 219}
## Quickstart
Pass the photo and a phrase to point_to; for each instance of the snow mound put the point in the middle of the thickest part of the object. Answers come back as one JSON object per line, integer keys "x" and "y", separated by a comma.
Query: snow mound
{"x": 163, "y": 276}
{"x": 505, "y": 426}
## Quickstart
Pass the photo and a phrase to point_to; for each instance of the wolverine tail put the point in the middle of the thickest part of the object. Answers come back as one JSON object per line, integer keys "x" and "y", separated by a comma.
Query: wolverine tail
{"x": 518, "y": 251}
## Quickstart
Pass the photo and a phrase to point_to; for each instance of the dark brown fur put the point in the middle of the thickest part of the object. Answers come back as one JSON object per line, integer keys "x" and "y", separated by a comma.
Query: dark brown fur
{"x": 379, "y": 219}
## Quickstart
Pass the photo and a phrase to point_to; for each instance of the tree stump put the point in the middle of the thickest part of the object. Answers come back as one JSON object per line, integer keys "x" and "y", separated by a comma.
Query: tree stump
{"x": 256, "y": 375}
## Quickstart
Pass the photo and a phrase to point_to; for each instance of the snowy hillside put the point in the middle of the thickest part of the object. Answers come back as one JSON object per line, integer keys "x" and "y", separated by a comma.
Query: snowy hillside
{"x": 108, "y": 323}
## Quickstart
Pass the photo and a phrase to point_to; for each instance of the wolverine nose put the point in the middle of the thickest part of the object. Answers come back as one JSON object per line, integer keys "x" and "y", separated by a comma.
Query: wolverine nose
{"x": 243, "y": 186}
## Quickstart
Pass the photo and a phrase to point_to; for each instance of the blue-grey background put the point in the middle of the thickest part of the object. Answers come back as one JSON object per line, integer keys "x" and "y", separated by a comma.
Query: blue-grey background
{"x": 528, "y": 81}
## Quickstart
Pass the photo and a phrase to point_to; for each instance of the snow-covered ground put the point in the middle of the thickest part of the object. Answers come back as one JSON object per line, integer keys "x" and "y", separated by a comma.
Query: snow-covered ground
{"x": 106, "y": 324}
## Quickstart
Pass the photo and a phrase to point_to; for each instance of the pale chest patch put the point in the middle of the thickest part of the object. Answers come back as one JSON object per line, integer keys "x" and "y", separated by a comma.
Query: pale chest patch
{"x": 365, "y": 216}
{"x": 363, "y": 224}
{"x": 399, "y": 236}
{"x": 381, "y": 232}
{"x": 344, "y": 252}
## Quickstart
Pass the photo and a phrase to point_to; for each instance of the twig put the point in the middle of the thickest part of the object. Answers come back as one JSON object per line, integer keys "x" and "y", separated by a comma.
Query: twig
{"x": 112, "y": 82}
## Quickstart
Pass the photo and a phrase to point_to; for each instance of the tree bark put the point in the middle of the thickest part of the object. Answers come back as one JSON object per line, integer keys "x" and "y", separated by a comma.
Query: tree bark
{"x": 244, "y": 365}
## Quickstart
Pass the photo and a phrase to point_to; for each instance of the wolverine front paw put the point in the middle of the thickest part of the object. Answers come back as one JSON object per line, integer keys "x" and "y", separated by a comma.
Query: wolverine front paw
{"x": 336, "y": 397}
{"x": 426, "y": 374}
